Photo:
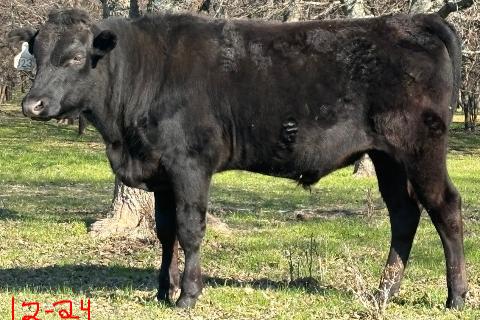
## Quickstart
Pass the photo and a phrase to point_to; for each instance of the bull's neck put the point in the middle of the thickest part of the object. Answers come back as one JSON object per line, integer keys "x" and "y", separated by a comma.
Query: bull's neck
{"x": 117, "y": 96}
{"x": 101, "y": 111}
{"x": 124, "y": 80}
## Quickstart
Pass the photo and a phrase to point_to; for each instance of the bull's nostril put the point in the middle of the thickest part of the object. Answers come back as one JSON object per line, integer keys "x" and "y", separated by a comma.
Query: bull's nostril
{"x": 38, "y": 107}
{"x": 33, "y": 108}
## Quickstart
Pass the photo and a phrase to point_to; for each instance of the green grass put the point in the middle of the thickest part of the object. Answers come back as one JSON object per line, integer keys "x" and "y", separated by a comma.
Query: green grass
{"x": 54, "y": 184}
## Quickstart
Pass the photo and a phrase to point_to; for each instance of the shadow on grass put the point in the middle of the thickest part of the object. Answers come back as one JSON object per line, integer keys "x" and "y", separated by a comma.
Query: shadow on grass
{"x": 86, "y": 278}
{"x": 309, "y": 285}
{"x": 7, "y": 214}
{"x": 30, "y": 129}
{"x": 78, "y": 278}
{"x": 226, "y": 202}
{"x": 87, "y": 217}
{"x": 464, "y": 142}
{"x": 236, "y": 200}
{"x": 233, "y": 199}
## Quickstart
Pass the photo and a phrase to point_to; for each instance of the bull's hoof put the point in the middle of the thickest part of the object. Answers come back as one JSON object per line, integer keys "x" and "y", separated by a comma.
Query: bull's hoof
{"x": 168, "y": 296}
{"x": 164, "y": 296}
{"x": 186, "y": 302}
{"x": 161, "y": 298}
{"x": 381, "y": 298}
{"x": 456, "y": 303}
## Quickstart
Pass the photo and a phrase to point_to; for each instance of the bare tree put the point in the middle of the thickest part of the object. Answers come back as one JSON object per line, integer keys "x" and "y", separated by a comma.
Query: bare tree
{"x": 469, "y": 20}
{"x": 470, "y": 104}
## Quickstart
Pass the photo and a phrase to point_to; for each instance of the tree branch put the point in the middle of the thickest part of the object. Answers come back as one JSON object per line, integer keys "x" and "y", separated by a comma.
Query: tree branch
{"x": 450, "y": 7}
{"x": 470, "y": 52}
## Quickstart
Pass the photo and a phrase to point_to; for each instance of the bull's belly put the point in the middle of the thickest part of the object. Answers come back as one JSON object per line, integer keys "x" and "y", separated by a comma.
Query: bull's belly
{"x": 312, "y": 156}
{"x": 307, "y": 167}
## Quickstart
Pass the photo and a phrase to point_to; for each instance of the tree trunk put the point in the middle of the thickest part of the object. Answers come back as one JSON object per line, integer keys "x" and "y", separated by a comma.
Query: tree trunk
{"x": 425, "y": 6}
{"x": 355, "y": 8}
{"x": 131, "y": 215}
{"x": 469, "y": 103}
{"x": 2, "y": 93}
{"x": 7, "y": 93}
{"x": 364, "y": 167}
{"x": 295, "y": 12}
{"x": 134, "y": 9}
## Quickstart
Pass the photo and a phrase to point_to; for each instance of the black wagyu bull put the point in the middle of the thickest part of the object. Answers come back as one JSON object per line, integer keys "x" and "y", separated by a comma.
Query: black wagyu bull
{"x": 178, "y": 98}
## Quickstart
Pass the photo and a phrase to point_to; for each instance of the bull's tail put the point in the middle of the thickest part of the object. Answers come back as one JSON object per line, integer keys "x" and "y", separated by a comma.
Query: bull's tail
{"x": 447, "y": 33}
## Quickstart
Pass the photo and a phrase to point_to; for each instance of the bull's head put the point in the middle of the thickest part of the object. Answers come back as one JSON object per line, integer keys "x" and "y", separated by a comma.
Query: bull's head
{"x": 66, "y": 48}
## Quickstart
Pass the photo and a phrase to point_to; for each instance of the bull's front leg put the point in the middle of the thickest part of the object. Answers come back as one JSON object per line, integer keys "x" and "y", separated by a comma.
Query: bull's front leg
{"x": 191, "y": 194}
{"x": 167, "y": 232}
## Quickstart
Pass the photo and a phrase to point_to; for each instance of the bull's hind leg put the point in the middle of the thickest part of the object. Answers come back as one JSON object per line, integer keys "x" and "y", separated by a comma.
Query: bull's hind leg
{"x": 166, "y": 231}
{"x": 404, "y": 217}
{"x": 428, "y": 174}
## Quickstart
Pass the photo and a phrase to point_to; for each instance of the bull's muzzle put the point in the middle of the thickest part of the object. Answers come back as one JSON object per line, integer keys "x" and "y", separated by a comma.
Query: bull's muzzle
{"x": 33, "y": 108}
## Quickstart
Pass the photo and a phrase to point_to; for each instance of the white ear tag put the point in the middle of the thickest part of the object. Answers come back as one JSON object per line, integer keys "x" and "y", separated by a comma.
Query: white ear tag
{"x": 24, "y": 61}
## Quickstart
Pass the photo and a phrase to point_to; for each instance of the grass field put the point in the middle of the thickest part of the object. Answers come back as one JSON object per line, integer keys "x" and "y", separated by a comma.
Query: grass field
{"x": 53, "y": 185}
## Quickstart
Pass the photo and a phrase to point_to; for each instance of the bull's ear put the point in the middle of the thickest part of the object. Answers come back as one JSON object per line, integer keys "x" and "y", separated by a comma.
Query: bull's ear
{"x": 103, "y": 43}
{"x": 23, "y": 35}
